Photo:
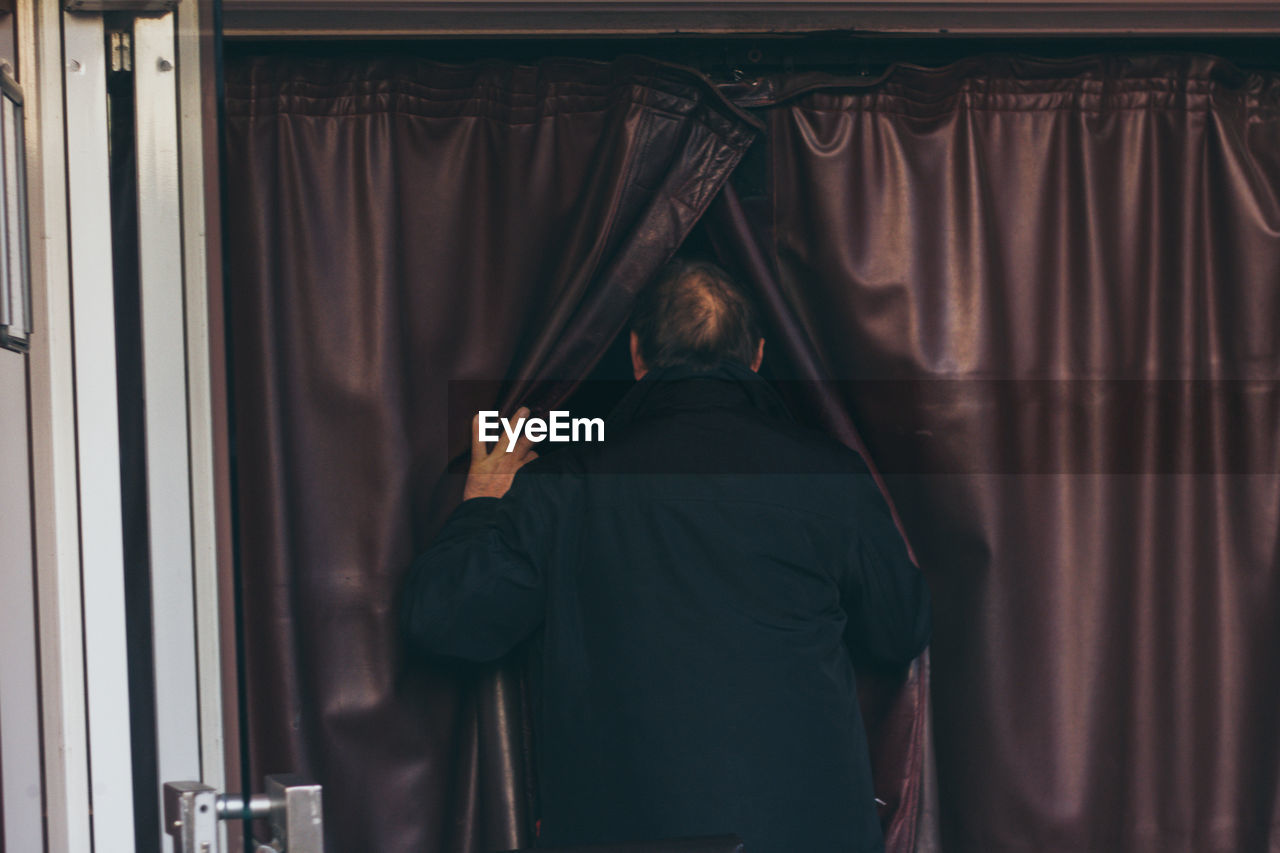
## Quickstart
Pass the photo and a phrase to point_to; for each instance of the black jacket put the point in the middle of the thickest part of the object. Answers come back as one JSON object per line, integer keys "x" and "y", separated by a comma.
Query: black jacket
{"x": 696, "y": 585}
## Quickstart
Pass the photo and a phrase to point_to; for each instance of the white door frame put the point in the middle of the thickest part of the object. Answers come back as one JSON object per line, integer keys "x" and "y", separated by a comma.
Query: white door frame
{"x": 212, "y": 560}
{"x": 75, "y": 442}
{"x": 51, "y": 377}
{"x": 21, "y": 826}
{"x": 97, "y": 436}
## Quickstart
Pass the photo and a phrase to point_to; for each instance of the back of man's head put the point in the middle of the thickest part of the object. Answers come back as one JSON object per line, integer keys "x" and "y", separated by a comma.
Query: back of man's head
{"x": 694, "y": 315}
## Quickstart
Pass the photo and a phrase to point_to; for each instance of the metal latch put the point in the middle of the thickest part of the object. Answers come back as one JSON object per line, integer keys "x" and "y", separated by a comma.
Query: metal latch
{"x": 291, "y": 806}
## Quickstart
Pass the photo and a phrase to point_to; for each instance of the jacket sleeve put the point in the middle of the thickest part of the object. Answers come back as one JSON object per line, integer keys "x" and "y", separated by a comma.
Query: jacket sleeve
{"x": 479, "y": 590}
{"x": 885, "y": 596}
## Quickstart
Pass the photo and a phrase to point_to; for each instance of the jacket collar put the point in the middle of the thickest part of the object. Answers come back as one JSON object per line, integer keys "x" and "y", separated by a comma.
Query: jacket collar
{"x": 727, "y": 385}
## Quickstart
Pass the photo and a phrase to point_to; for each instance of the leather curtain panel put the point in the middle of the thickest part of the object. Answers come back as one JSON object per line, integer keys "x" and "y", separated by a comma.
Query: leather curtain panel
{"x": 395, "y": 226}
{"x": 1042, "y": 295}
{"x": 1048, "y": 294}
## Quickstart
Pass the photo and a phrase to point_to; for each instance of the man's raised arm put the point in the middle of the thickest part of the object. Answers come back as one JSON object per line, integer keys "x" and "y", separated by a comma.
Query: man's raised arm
{"x": 479, "y": 589}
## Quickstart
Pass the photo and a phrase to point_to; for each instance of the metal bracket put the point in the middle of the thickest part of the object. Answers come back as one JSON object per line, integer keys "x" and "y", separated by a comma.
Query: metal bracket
{"x": 191, "y": 816}
{"x": 291, "y": 806}
{"x": 297, "y": 820}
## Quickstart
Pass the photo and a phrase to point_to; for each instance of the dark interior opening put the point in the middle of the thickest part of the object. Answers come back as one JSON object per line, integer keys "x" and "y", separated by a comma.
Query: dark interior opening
{"x": 726, "y": 59}
{"x": 132, "y": 425}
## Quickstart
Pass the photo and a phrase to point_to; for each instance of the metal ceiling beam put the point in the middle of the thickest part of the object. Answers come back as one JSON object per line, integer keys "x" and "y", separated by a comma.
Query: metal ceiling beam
{"x": 362, "y": 19}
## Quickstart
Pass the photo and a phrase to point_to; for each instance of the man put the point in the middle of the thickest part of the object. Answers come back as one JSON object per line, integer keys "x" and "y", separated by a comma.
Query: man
{"x": 696, "y": 586}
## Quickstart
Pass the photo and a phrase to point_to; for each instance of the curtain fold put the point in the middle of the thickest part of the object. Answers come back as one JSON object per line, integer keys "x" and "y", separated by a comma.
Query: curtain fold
{"x": 412, "y": 242}
{"x": 1047, "y": 294}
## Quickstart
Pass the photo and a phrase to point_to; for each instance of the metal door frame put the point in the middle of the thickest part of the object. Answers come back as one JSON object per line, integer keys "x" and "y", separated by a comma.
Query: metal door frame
{"x": 75, "y": 444}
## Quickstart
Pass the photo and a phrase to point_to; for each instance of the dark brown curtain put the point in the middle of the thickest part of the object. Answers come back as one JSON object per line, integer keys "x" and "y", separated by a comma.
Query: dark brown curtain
{"x": 1042, "y": 295}
{"x": 397, "y": 228}
{"x": 1047, "y": 294}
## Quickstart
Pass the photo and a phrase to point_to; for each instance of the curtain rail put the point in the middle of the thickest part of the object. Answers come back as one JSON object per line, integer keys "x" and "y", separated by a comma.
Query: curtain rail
{"x": 306, "y": 19}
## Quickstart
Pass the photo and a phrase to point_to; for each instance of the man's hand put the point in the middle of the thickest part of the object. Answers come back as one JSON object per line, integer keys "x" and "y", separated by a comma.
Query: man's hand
{"x": 491, "y": 472}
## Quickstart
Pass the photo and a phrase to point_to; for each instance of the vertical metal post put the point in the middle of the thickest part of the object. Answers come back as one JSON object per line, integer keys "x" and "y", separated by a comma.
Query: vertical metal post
{"x": 41, "y": 70}
{"x": 193, "y": 125}
{"x": 164, "y": 369}
{"x": 97, "y": 435}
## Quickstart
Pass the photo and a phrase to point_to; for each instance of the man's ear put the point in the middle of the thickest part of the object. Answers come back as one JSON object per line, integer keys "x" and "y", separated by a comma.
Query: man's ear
{"x": 637, "y": 363}
{"x": 756, "y": 362}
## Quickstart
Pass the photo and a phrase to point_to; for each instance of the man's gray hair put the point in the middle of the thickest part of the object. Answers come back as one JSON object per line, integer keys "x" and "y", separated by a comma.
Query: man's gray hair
{"x": 694, "y": 314}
